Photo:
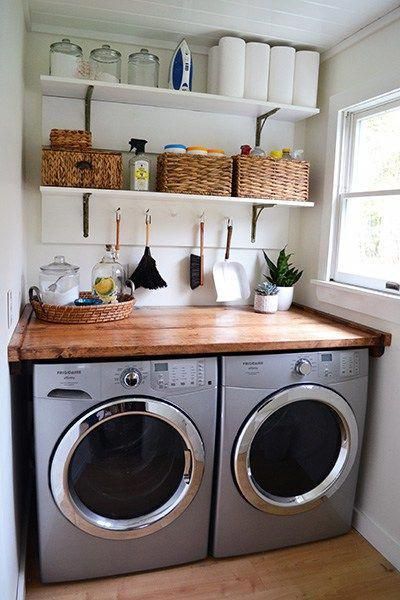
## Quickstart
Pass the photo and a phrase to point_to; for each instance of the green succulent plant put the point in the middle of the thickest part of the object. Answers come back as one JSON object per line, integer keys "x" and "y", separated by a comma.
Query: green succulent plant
{"x": 283, "y": 274}
{"x": 265, "y": 288}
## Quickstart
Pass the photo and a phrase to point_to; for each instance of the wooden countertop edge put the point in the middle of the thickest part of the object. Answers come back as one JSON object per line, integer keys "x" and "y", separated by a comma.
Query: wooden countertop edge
{"x": 376, "y": 341}
{"x": 17, "y": 338}
{"x": 385, "y": 338}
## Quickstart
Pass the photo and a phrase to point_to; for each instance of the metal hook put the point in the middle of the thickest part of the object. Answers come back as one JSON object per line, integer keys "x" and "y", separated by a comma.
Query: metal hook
{"x": 148, "y": 217}
{"x": 230, "y": 222}
{"x": 202, "y": 216}
{"x": 118, "y": 214}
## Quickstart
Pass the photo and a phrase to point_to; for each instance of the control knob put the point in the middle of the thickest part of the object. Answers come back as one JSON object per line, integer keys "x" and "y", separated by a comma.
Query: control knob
{"x": 303, "y": 367}
{"x": 131, "y": 378}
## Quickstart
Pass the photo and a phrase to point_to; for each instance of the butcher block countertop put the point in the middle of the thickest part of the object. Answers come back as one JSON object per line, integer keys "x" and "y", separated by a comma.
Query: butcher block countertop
{"x": 190, "y": 330}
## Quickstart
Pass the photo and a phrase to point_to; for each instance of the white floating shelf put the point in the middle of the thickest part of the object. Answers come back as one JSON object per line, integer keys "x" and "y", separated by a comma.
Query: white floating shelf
{"x": 164, "y": 98}
{"x": 163, "y": 197}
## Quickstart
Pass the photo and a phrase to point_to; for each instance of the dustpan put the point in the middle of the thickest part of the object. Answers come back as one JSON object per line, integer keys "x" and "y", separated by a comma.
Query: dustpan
{"x": 230, "y": 278}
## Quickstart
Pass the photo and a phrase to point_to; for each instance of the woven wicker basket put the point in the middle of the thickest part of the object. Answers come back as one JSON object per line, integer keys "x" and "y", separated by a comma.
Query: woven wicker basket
{"x": 187, "y": 174}
{"x": 73, "y": 315}
{"x": 70, "y": 139}
{"x": 265, "y": 177}
{"x": 90, "y": 169}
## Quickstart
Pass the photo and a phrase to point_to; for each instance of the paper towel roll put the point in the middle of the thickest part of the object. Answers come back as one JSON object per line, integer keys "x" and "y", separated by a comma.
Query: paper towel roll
{"x": 281, "y": 74}
{"x": 306, "y": 78}
{"x": 232, "y": 56}
{"x": 256, "y": 71}
{"x": 212, "y": 71}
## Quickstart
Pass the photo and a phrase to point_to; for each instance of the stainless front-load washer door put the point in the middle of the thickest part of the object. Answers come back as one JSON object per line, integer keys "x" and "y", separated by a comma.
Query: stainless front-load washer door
{"x": 295, "y": 450}
{"x": 127, "y": 468}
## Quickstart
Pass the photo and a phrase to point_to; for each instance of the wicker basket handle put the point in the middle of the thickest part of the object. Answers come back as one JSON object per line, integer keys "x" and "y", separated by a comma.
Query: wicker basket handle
{"x": 84, "y": 165}
{"x": 34, "y": 294}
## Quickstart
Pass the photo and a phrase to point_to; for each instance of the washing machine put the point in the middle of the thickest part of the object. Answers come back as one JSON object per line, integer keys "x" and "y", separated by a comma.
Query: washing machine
{"x": 124, "y": 464}
{"x": 289, "y": 448}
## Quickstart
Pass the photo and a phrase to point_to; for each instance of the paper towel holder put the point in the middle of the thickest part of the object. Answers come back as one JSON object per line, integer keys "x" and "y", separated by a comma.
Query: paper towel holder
{"x": 260, "y": 122}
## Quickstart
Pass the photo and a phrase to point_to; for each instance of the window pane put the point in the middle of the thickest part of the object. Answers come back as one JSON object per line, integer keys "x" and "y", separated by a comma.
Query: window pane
{"x": 376, "y": 155}
{"x": 370, "y": 238}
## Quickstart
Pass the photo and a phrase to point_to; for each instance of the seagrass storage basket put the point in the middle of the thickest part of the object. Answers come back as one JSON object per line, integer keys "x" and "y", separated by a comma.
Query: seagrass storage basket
{"x": 79, "y": 315}
{"x": 265, "y": 177}
{"x": 70, "y": 139}
{"x": 88, "y": 169}
{"x": 191, "y": 174}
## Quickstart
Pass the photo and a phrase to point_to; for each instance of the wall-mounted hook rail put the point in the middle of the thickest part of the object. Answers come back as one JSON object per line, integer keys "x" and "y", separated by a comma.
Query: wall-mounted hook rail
{"x": 256, "y": 212}
{"x": 260, "y": 122}
{"x": 88, "y": 106}
{"x": 85, "y": 205}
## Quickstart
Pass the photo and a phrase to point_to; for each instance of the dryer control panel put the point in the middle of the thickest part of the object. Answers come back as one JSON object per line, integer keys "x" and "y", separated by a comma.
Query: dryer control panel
{"x": 177, "y": 374}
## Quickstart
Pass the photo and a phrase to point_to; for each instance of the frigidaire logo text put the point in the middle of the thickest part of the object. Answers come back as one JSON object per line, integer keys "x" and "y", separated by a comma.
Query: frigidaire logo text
{"x": 253, "y": 362}
{"x": 77, "y": 372}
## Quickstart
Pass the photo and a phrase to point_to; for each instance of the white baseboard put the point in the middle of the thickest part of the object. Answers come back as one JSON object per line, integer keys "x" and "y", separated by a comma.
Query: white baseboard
{"x": 377, "y": 537}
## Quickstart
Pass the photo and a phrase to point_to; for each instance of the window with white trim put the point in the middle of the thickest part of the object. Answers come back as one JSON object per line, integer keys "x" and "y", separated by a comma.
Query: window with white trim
{"x": 368, "y": 218}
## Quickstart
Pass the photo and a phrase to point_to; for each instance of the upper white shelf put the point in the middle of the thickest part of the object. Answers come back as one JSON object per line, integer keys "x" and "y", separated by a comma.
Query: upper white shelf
{"x": 163, "y": 98}
{"x": 162, "y": 196}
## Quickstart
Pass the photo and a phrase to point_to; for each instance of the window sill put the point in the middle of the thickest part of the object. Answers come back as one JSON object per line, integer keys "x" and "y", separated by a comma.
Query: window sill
{"x": 369, "y": 302}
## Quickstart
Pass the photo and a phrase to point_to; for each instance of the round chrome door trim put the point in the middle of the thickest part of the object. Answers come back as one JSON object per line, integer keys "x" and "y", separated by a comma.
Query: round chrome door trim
{"x": 345, "y": 460}
{"x": 86, "y": 520}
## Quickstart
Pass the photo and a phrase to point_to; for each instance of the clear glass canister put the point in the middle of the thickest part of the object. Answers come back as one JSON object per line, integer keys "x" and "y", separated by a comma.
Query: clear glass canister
{"x": 108, "y": 277}
{"x": 59, "y": 282}
{"x": 65, "y": 58}
{"x": 143, "y": 68}
{"x": 105, "y": 64}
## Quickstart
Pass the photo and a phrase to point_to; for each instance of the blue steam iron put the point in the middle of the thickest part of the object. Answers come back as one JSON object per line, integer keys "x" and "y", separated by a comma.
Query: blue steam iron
{"x": 181, "y": 68}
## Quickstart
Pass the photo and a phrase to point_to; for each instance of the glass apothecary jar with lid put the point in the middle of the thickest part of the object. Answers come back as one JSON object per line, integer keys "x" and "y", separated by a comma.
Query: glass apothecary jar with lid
{"x": 143, "y": 68}
{"x": 65, "y": 58}
{"x": 59, "y": 282}
{"x": 105, "y": 64}
{"x": 108, "y": 277}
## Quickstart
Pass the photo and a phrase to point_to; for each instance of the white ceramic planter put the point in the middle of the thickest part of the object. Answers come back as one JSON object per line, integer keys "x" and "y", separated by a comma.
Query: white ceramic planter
{"x": 265, "y": 304}
{"x": 285, "y": 298}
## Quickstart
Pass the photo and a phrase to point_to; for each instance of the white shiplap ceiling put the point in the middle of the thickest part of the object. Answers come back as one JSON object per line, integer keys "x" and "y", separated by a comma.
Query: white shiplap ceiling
{"x": 319, "y": 24}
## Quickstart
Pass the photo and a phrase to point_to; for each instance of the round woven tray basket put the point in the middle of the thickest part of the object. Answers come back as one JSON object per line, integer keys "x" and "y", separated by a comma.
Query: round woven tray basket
{"x": 72, "y": 315}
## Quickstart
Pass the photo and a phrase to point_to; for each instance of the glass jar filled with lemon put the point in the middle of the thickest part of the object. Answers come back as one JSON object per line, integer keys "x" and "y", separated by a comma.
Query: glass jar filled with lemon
{"x": 108, "y": 277}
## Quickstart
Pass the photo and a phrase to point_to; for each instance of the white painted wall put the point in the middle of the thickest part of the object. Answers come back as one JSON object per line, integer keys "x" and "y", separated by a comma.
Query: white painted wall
{"x": 174, "y": 232}
{"x": 378, "y": 500}
{"x": 11, "y": 269}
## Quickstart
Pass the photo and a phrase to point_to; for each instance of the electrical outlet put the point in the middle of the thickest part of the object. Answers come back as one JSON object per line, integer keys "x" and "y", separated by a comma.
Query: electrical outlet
{"x": 9, "y": 309}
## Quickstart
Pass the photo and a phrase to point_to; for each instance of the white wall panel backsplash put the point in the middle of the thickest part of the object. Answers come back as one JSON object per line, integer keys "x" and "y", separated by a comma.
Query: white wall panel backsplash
{"x": 173, "y": 224}
{"x": 55, "y": 227}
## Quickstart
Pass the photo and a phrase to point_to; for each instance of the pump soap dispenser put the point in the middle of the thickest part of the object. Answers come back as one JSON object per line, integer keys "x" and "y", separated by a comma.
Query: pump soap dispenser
{"x": 139, "y": 166}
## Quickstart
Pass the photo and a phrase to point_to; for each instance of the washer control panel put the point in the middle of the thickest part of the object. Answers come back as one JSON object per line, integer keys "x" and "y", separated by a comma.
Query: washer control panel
{"x": 177, "y": 374}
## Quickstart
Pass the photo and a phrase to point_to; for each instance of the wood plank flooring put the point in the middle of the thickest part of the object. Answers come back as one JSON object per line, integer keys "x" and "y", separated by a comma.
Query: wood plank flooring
{"x": 344, "y": 568}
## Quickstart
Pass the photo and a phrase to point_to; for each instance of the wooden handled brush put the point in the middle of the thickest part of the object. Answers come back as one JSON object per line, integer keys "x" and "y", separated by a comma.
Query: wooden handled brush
{"x": 197, "y": 262}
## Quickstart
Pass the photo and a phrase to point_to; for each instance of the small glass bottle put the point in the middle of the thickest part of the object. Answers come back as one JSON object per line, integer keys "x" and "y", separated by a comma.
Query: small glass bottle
{"x": 108, "y": 277}
{"x": 105, "y": 64}
{"x": 64, "y": 59}
{"x": 286, "y": 154}
{"x": 139, "y": 166}
{"x": 143, "y": 68}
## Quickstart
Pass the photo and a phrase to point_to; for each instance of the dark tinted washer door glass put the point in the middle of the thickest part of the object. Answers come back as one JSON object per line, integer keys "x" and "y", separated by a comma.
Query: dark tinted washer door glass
{"x": 295, "y": 449}
{"x": 128, "y": 466}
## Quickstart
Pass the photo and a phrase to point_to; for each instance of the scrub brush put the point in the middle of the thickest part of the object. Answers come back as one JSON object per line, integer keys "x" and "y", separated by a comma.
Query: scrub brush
{"x": 197, "y": 262}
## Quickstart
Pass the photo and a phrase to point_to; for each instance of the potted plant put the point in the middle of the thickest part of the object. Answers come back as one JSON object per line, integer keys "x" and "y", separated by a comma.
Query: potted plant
{"x": 266, "y": 298}
{"x": 284, "y": 276}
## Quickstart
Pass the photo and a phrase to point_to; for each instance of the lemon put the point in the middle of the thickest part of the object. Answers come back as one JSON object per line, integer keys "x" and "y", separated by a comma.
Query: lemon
{"x": 104, "y": 286}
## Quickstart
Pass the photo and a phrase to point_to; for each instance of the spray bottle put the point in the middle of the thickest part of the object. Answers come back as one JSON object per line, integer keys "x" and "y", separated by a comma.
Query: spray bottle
{"x": 139, "y": 166}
